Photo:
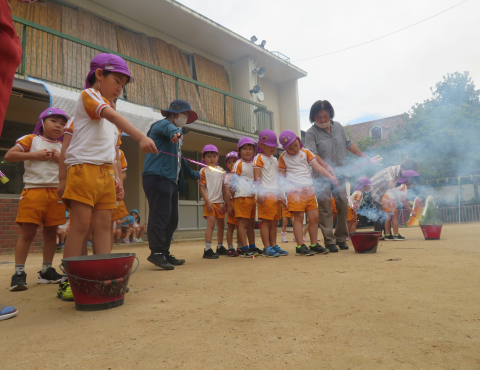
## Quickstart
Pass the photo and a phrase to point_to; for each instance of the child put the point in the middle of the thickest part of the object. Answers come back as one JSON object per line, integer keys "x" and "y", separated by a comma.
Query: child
{"x": 39, "y": 202}
{"x": 286, "y": 216}
{"x": 389, "y": 204}
{"x": 212, "y": 190}
{"x": 121, "y": 210}
{"x": 127, "y": 228}
{"x": 91, "y": 155}
{"x": 265, "y": 170}
{"x": 230, "y": 160}
{"x": 363, "y": 184}
{"x": 62, "y": 232}
{"x": 117, "y": 232}
{"x": 294, "y": 165}
{"x": 244, "y": 197}
{"x": 139, "y": 229}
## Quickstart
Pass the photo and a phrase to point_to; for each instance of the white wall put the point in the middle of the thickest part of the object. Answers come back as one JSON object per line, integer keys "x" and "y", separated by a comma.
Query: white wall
{"x": 270, "y": 89}
{"x": 289, "y": 107}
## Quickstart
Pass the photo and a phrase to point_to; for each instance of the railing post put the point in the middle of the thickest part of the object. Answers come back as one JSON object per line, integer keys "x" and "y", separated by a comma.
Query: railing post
{"x": 225, "y": 109}
{"x": 176, "y": 88}
{"x": 459, "y": 194}
{"x": 24, "y": 50}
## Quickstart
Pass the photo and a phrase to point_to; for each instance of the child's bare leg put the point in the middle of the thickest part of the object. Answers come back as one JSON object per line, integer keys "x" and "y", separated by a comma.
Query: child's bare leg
{"x": 265, "y": 233}
{"x": 49, "y": 246}
{"x": 273, "y": 233}
{"x": 230, "y": 230}
{"x": 27, "y": 234}
{"x": 388, "y": 223}
{"x": 284, "y": 225}
{"x": 220, "y": 230}
{"x": 305, "y": 229}
{"x": 63, "y": 235}
{"x": 251, "y": 231}
{"x": 80, "y": 219}
{"x": 298, "y": 226}
{"x": 313, "y": 225}
{"x": 85, "y": 241}
{"x": 111, "y": 236}
{"x": 395, "y": 223}
{"x": 101, "y": 227}
{"x": 142, "y": 231}
{"x": 210, "y": 228}
{"x": 242, "y": 231}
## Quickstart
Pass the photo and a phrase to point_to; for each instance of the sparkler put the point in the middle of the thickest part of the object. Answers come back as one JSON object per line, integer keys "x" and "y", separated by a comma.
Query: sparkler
{"x": 3, "y": 178}
{"x": 190, "y": 160}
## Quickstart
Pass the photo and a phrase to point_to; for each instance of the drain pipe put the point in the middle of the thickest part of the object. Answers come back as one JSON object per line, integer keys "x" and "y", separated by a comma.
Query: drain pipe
{"x": 459, "y": 195}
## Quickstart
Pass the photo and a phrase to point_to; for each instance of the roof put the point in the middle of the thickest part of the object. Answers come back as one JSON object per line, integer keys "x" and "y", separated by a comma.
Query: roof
{"x": 362, "y": 130}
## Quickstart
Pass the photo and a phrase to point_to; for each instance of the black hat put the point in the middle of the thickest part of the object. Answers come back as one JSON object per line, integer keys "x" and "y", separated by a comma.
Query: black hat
{"x": 179, "y": 106}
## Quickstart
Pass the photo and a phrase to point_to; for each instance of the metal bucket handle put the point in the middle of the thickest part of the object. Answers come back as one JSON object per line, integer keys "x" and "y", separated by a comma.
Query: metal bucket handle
{"x": 105, "y": 282}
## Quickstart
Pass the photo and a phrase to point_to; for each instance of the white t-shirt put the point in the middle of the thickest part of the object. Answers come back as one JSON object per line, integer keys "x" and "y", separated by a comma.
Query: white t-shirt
{"x": 94, "y": 138}
{"x": 243, "y": 181}
{"x": 399, "y": 193}
{"x": 64, "y": 226}
{"x": 39, "y": 174}
{"x": 357, "y": 198}
{"x": 297, "y": 168}
{"x": 269, "y": 166}
{"x": 213, "y": 181}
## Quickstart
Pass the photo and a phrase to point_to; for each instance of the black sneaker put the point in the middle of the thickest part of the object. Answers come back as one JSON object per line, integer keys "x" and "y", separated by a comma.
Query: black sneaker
{"x": 399, "y": 237}
{"x": 222, "y": 251}
{"x": 388, "y": 237}
{"x": 19, "y": 282}
{"x": 159, "y": 259}
{"x": 249, "y": 253}
{"x": 210, "y": 254}
{"x": 256, "y": 251}
{"x": 171, "y": 258}
{"x": 49, "y": 277}
{"x": 319, "y": 249}
{"x": 332, "y": 248}
{"x": 303, "y": 251}
{"x": 343, "y": 246}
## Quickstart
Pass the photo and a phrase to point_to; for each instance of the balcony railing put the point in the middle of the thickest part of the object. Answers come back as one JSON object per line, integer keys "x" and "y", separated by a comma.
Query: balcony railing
{"x": 56, "y": 57}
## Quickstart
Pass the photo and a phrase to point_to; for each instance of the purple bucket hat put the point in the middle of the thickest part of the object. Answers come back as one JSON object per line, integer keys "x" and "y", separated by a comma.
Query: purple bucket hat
{"x": 406, "y": 176}
{"x": 209, "y": 148}
{"x": 362, "y": 181}
{"x": 109, "y": 63}
{"x": 268, "y": 138}
{"x": 287, "y": 137}
{"x": 45, "y": 114}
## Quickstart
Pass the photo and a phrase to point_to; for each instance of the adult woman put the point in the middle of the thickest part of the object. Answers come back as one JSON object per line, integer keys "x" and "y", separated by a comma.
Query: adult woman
{"x": 163, "y": 176}
{"x": 329, "y": 142}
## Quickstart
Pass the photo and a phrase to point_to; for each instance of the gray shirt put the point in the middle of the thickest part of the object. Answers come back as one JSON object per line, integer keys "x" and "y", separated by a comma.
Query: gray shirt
{"x": 331, "y": 147}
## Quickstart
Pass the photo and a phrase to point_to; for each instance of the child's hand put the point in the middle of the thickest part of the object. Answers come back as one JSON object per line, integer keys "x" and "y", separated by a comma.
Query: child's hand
{"x": 209, "y": 205}
{"x": 176, "y": 137}
{"x": 147, "y": 145}
{"x": 61, "y": 188}
{"x": 333, "y": 179}
{"x": 223, "y": 208}
{"x": 284, "y": 202}
{"x": 119, "y": 190}
{"x": 43, "y": 155}
{"x": 231, "y": 211}
{"x": 414, "y": 214}
{"x": 260, "y": 199}
{"x": 55, "y": 155}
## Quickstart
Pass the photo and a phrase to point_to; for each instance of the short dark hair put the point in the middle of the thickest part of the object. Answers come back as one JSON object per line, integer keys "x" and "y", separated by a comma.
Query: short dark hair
{"x": 409, "y": 164}
{"x": 92, "y": 78}
{"x": 320, "y": 105}
{"x": 203, "y": 155}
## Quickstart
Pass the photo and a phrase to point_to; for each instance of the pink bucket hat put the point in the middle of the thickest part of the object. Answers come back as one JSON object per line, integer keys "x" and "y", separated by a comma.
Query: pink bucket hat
{"x": 362, "y": 181}
{"x": 109, "y": 63}
{"x": 268, "y": 138}
{"x": 209, "y": 148}
{"x": 45, "y": 114}
{"x": 287, "y": 137}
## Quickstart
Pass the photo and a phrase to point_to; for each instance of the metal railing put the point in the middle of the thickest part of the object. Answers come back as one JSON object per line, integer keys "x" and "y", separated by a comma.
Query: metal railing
{"x": 449, "y": 214}
{"x": 55, "y": 57}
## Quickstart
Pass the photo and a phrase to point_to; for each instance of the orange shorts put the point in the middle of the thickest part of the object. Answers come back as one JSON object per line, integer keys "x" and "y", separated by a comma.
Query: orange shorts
{"x": 302, "y": 200}
{"x": 245, "y": 207}
{"x": 352, "y": 214}
{"x": 216, "y": 211}
{"x": 389, "y": 205}
{"x": 271, "y": 208}
{"x": 334, "y": 206}
{"x": 41, "y": 205}
{"x": 231, "y": 219}
{"x": 287, "y": 213}
{"x": 120, "y": 211}
{"x": 91, "y": 184}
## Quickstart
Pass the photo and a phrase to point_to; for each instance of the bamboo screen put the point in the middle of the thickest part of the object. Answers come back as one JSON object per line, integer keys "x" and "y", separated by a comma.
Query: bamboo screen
{"x": 44, "y": 53}
{"x": 213, "y": 74}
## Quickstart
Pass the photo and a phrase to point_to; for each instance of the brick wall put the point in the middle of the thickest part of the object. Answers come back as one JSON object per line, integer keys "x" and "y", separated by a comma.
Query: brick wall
{"x": 9, "y": 230}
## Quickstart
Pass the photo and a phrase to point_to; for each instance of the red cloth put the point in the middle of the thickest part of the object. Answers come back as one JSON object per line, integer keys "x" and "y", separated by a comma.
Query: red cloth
{"x": 10, "y": 57}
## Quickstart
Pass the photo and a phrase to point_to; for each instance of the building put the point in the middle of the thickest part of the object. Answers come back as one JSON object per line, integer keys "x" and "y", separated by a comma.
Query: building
{"x": 196, "y": 60}
{"x": 378, "y": 129}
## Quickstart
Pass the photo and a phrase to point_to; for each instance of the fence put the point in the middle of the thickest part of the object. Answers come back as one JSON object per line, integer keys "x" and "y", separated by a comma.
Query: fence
{"x": 449, "y": 214}
{"x": 59, "y": 58}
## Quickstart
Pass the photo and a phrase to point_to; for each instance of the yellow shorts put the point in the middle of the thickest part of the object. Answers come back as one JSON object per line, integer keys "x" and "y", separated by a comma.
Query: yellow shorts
{"x": 216, "y": 211}
{"x": 245, "y": 207}
{"x": 334, "y": 206}
{"x": 231, "y": 219}
{"x": 286, "y": 213}
{"x": 271, "y": 208}
{"x": 302, "y": 200}
{"x": 389, "y": 205}
{"x": 41, "y": 205}
{"x": 120, "y": 211}
{"x": 352, "y": 214}
{"x": 91, "y": 184}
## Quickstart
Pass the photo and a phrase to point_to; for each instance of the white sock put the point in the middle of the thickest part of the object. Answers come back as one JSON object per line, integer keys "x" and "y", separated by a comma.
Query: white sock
{"x": 208, "y": 245}
{"x": 230, "y": 246}
{"x": 46, "y": 266}
{"x": 19, "y": 269}
{"x": 219, "y": 245}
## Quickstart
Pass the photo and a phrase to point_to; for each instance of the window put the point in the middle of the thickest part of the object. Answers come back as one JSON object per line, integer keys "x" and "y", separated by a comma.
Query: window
{"x": 264, "y": 120}
{"x": 191, "y": 64}
{"x": 376, "y": 132}
{"x": 191, "y": 186}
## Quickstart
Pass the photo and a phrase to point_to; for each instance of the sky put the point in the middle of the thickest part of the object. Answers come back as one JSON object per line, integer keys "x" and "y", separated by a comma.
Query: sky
{"x": 381, "y": 79}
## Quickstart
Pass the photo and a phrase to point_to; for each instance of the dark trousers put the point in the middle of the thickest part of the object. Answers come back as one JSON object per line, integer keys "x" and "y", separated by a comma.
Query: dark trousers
{"x": 379, "y": 223}
{"x": 162, "y": 196}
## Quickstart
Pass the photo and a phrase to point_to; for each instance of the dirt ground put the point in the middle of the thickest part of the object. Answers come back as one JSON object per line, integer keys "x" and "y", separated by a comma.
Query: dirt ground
{"x": 335, "y": 311}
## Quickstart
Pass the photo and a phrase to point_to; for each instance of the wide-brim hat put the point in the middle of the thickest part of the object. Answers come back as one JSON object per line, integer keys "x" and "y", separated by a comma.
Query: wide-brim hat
{"x": 110, "y": 63}
{"x": 180, "y": 106}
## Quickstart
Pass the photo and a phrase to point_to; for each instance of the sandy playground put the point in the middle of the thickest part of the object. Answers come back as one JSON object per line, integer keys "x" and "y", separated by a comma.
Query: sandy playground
{"x": 336, "y": 311}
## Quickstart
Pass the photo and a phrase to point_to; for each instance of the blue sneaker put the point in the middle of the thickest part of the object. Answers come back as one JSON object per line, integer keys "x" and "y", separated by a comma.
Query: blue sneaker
{"x": 280, "y": 251}
{"x": 269, "y": 252}
{"x": 7, "y": 312}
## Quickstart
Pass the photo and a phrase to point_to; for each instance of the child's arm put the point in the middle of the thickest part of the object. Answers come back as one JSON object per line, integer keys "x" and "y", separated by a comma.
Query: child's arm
{"x": 407, "y": 206}
{"x": 146, "y": 144}
{"x": 16, "y": 154}
{"x": 228, "y": 196}
{"x": 117, "y": 170}
{"x": 62, "y": 167}
{"x": 282, "y": 173}
{"x": 204, "y": 195}
{"x": 322, "y": 171}
{"x": 257, "y": 178}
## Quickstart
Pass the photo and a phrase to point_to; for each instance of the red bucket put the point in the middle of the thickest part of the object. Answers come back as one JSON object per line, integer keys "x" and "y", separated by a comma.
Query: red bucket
{"x": 99, "y": 281}
{"x": 431, "y": 232}
{"x": 366, "y": 241}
